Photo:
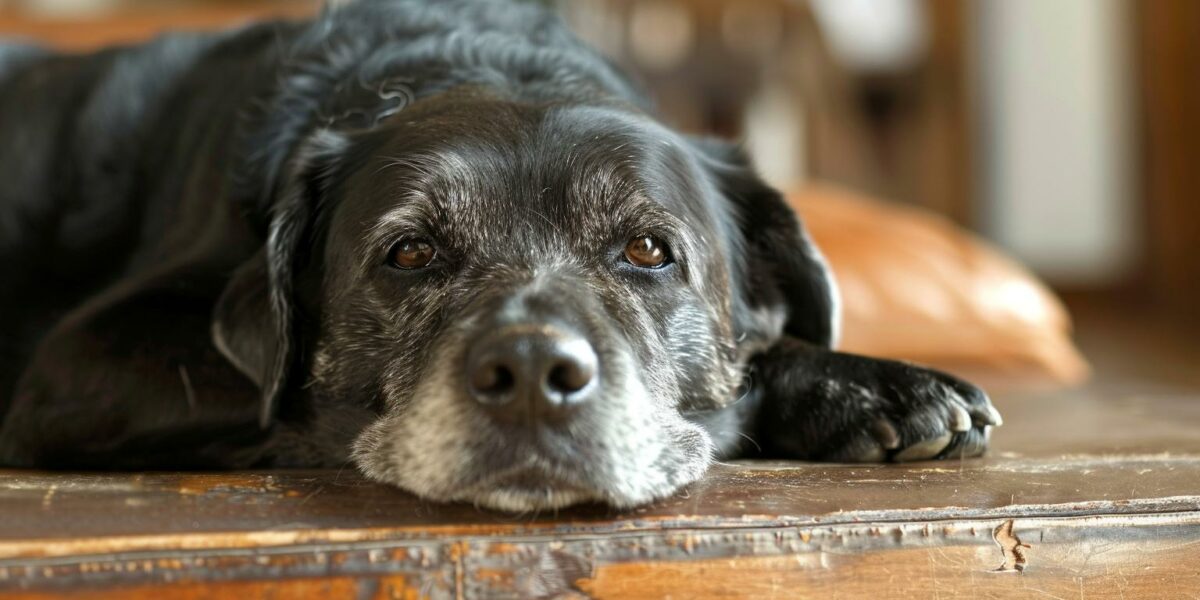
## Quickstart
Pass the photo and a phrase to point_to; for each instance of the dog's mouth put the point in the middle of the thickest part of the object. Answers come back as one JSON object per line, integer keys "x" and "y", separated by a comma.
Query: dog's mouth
{"x": 529, "y": 487}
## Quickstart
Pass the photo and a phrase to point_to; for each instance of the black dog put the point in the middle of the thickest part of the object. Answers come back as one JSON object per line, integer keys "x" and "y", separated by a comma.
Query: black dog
{"x": 441, "y": 239}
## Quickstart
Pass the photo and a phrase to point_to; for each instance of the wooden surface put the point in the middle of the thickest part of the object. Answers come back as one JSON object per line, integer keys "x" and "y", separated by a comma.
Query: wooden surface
{"x": 1085, "y": 496}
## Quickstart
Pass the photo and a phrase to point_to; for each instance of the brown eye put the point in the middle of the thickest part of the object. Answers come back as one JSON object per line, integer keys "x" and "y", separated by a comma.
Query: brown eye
{"x": 647, "y": 252}
{"x": 412, "y": 253}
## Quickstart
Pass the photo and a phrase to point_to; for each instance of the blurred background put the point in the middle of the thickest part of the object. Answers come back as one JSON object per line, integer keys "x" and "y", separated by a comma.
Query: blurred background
{"x": 1065, "y": 132}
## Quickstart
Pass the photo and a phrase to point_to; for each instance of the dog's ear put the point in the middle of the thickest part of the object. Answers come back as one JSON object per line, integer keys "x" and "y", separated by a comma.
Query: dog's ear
{"x": 776, "y": 265}
{"x": 253, "y": 322}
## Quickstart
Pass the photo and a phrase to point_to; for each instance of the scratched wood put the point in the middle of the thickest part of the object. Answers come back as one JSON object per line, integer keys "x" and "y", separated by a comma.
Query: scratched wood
{"x": 1132, "y": 524}
{"x": 1083, "y": 496}
{"x": 1136, "y": 555}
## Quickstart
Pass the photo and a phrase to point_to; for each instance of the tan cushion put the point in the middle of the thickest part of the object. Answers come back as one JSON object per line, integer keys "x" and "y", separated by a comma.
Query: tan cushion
{"x": 916, "y": 287}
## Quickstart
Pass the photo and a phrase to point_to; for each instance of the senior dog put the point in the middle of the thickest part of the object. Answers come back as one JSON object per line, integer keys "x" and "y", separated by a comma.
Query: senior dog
{"x": 443, "y": 240}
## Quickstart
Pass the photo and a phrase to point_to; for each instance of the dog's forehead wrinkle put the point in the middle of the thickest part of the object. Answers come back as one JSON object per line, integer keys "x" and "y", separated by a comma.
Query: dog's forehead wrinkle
{"x": 624, "y": 143}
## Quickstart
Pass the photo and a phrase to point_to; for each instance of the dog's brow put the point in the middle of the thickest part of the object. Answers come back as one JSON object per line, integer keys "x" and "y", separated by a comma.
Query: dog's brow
{"x": 426, "y": 165}
{"x": 413, "y": 209}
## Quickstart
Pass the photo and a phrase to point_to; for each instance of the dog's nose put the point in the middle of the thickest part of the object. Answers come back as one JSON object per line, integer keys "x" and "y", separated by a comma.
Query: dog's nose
{"x": 532, "y": 371}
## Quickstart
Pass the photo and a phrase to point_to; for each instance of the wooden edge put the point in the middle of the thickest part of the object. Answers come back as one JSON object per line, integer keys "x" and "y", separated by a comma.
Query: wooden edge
{"x": 41, "y": 518}
{"x": 16, "y": 553}
{"x": 603, "y": 565}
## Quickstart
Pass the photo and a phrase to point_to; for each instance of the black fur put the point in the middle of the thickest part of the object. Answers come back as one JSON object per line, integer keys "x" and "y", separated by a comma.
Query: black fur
{"x": 194, "y": 237}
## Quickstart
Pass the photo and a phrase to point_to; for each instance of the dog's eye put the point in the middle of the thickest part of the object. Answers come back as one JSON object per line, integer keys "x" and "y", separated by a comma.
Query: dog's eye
{"x": 647, "y": 252}
{"x": 412, "y": 253}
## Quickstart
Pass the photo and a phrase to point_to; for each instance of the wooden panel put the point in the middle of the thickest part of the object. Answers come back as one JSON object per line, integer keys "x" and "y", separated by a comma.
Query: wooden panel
{"x": 48, "y": 515}
{"x": 903, "y": 135}
{"x": 133, "y": 25}
{"x": 1149, "y": 555}
{"x": 959, "y": 560}
{"x": 1169, "y": 63}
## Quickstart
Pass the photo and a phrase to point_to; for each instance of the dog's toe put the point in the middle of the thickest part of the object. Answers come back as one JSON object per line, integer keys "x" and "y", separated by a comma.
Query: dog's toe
{"x": 968, "y": 444}
{"x": 927, "y": 429}
{"x": 862, "y": 450}
{"x": 924, "y": 449}
{"x": 977, "y": 403}
{"x": 885, "y": 434}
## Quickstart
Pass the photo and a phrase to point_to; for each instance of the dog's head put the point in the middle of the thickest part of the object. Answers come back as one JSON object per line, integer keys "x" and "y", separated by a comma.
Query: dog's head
{"x": 516, "y": 305}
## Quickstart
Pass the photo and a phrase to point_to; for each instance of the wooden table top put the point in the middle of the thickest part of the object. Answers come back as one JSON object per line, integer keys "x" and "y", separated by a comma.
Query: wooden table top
{"x": 1063, "y": 454}
{"x": 1068, "y": 470}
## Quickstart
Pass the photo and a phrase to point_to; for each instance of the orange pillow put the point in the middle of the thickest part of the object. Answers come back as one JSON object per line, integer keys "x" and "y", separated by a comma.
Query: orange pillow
{"x": 916, "y": 287}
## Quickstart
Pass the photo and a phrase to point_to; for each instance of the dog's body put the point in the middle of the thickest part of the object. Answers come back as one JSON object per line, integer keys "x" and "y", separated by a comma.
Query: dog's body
{"x": 299, "y": 244}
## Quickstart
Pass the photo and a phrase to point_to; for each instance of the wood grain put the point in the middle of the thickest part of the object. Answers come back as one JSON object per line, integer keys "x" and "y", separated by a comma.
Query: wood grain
{"x": 1139, "y": 555}
{"x": 1084, "y": 495}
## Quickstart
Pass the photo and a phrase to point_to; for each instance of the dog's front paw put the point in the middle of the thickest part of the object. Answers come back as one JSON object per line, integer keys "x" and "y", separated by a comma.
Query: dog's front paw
{"x": 847, "y": 408}
{"x": 905, "y": 413}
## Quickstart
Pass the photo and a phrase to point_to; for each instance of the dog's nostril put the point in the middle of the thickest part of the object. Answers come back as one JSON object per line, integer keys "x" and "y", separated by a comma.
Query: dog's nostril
{"x": 493, "y": 380}
{"x": 569, "y": 376}
{"x": 503, "y": 379}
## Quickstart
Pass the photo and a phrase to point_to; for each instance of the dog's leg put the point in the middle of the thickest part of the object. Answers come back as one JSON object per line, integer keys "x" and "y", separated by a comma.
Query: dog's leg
{"x": 816, "y": 404}
{"x": 133, "y": 381}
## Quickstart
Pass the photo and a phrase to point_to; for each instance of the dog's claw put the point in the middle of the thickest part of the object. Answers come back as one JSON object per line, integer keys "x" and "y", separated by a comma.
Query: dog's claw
{"x": 979, "y": 405}
{"x": 986, "y": 415}
{"x": 993, "y": 416}
{"x": 885, "y": 433}
{"x": 960, "y": 419}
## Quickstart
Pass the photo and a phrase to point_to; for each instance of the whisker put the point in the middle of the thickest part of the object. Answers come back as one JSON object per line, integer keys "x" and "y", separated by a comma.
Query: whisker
{"x": 750, "y": 439}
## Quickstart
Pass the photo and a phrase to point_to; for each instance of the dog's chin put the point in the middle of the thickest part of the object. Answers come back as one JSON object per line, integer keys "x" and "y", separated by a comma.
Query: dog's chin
{"x": 522, "y": 500}
{"x": 537, "y": 482}
{"x": 527, "y": 489}
{"x": 520, "y": 497}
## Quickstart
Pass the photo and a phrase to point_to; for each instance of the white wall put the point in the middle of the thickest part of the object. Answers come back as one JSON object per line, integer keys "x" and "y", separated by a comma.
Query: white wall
{"x": 1056, "y": 163}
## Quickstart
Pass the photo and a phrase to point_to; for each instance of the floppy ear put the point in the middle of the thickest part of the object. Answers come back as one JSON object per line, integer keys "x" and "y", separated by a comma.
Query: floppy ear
{"x": 253, "y": 322}
{"x": 780, "y": 268}
{"x": 244, "y": 325}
